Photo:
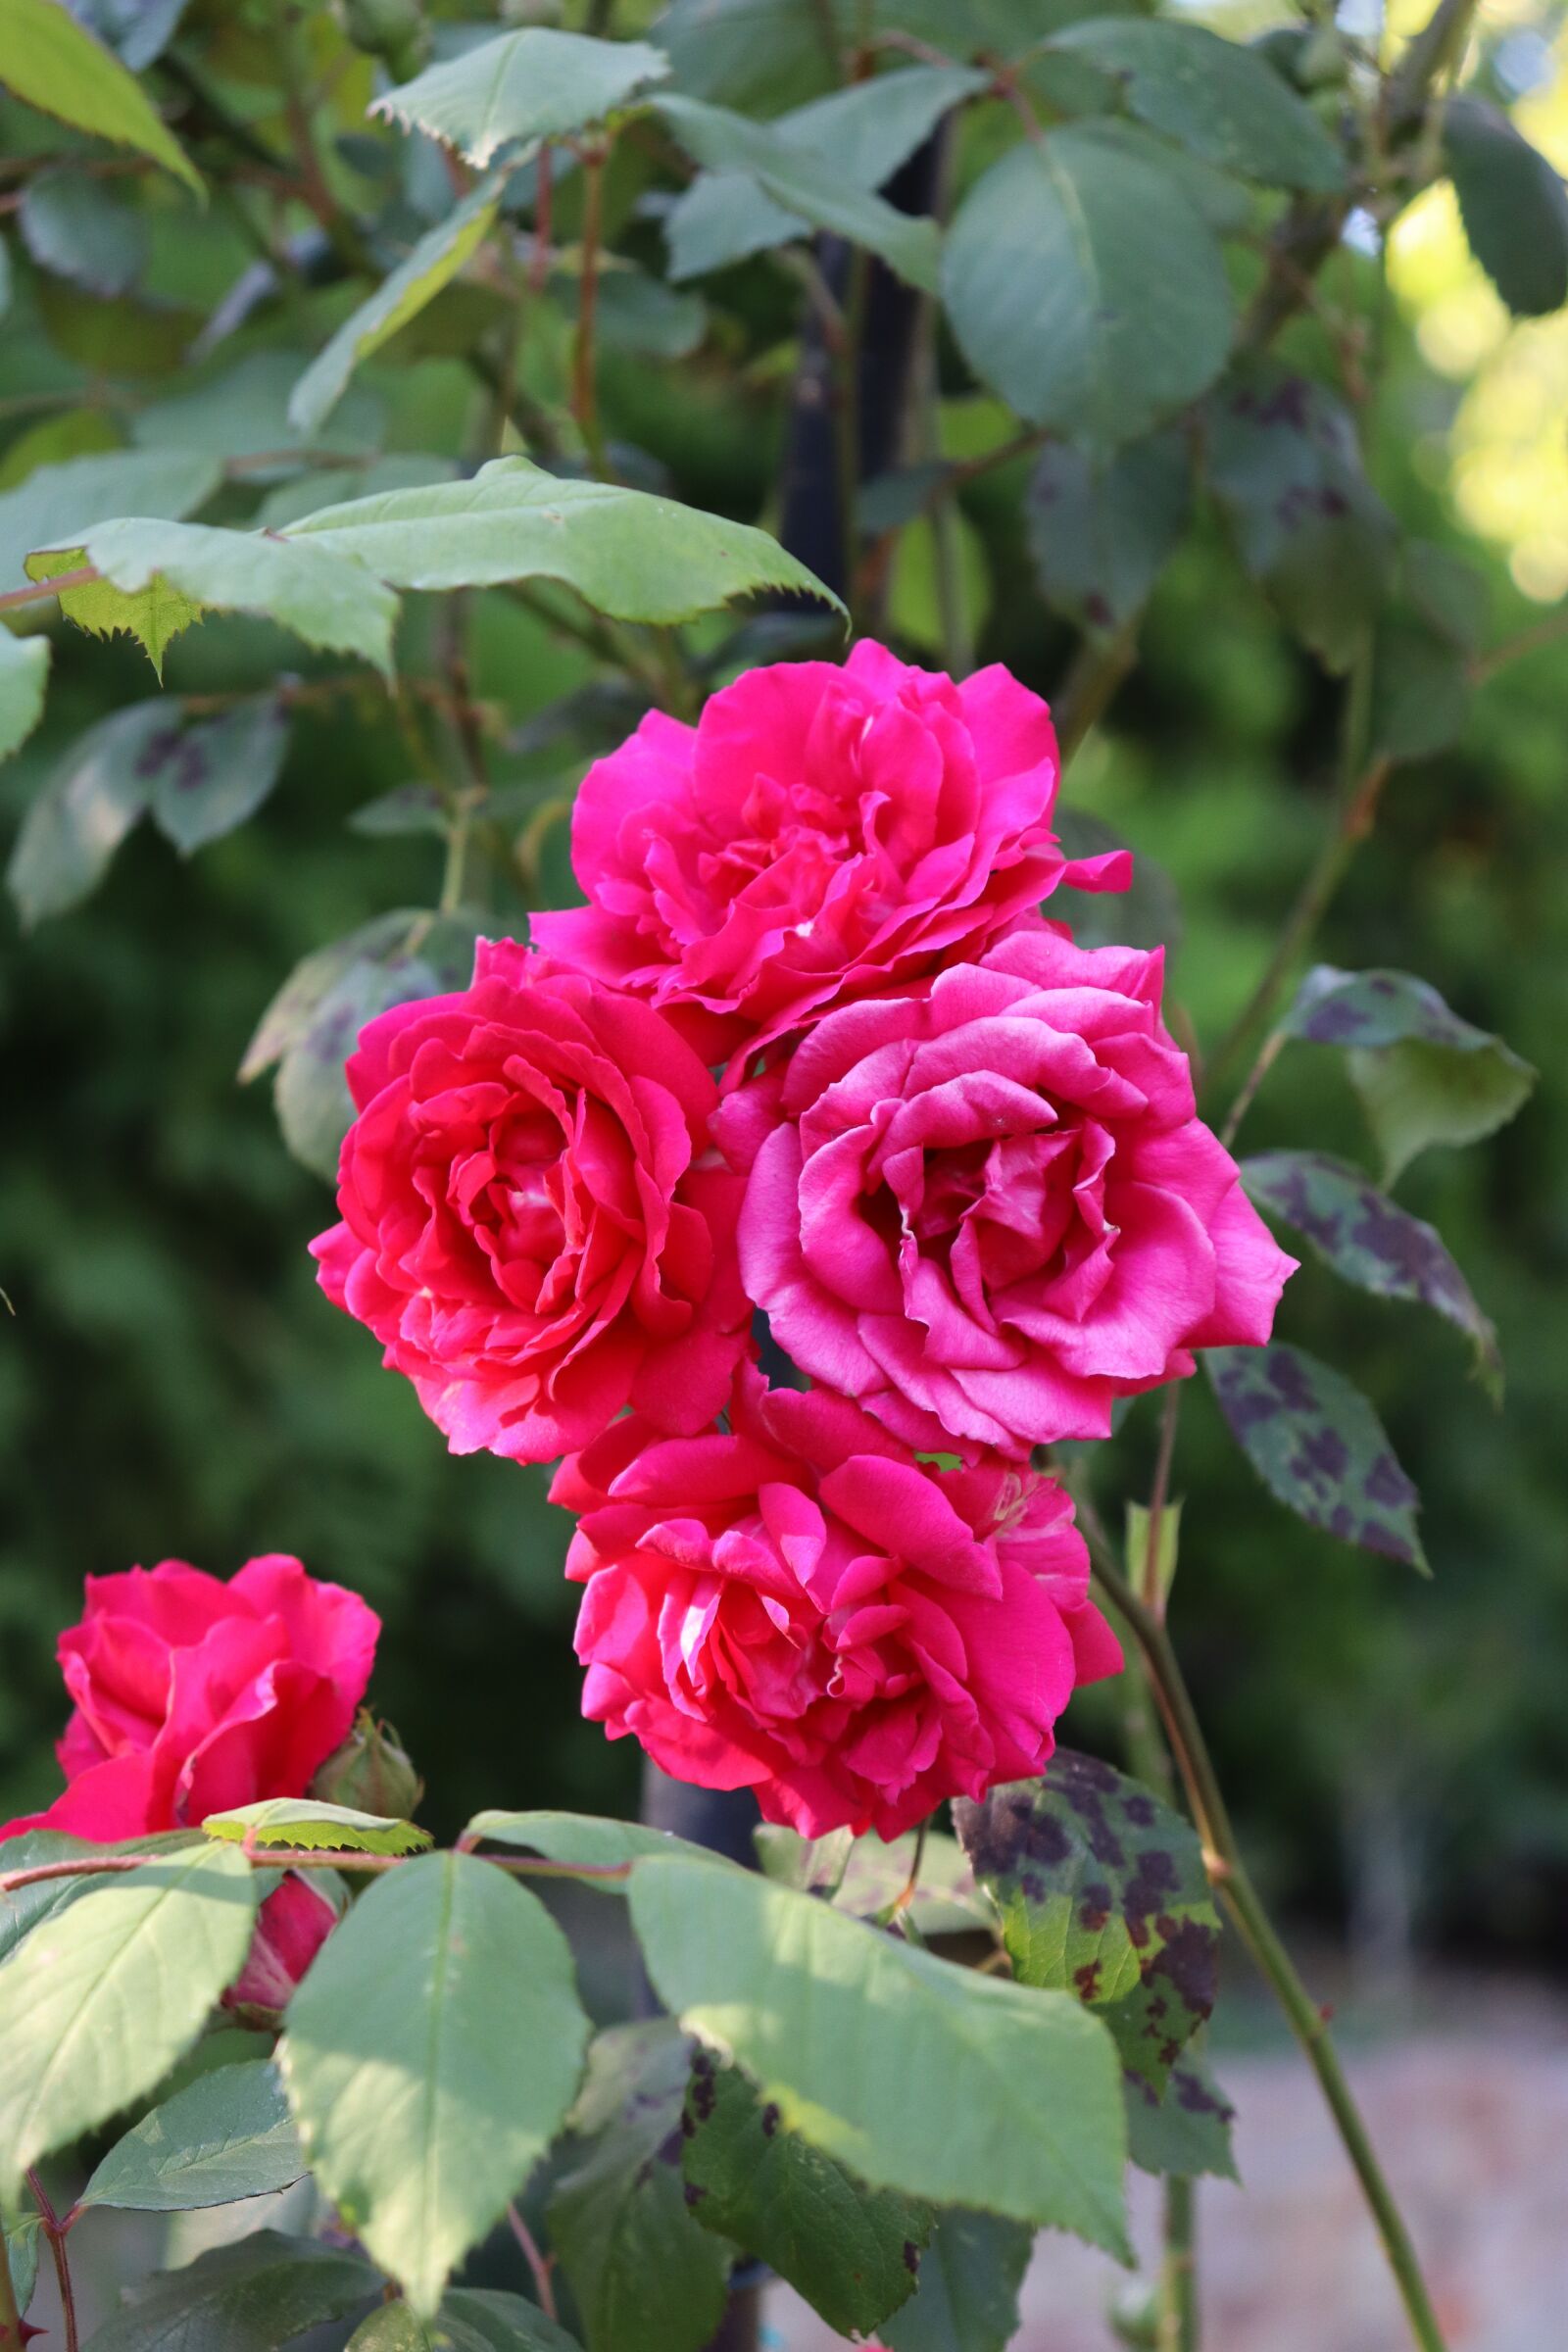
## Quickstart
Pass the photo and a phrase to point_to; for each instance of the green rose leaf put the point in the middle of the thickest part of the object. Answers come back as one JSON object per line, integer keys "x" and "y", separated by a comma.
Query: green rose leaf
{"x": 1420, "y": 689}
{"x": 1370, "y": 1241}
{"x": 1185, "y": 2130}
{"x": 18, "y": 2247}
{"x": 644, "y": 2276}
{"x": 741, "y": 1963}
{"x": 301, "y": 1821}
{"x": 57, "y": 503}
{"x": 1103, "y": 528}
{"x": 853, "y": 2252}
{"x": 254, "y": 2296}
{"x": 1424, "y": 1076}
{"x": 1085, "y": 288}
{"x": 967, "y": 2299}
{"x": 469, "y": 2320}
{"x": 1102, "y": 1893}
{"x": 1513, "y": 204}
{"x": 47, "y": 60}
{"x": 227, "y": 2135}
{"x": 24, "y": 683}
{"x": 83, "y": 229}
{"x": 206, "y": 776}
{"x": 1318, "y": 1447}
{"x": 104, "y": 1994}
{"x": 533, "y": 84}
{"x": 583, "y": 1841}
{"x": 625, "y": 551}
{"x": 430, "y": 2056}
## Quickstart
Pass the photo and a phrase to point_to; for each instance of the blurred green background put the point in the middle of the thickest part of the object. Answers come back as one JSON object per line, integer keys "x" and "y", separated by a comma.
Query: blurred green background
{"x": 173, "y": 1384}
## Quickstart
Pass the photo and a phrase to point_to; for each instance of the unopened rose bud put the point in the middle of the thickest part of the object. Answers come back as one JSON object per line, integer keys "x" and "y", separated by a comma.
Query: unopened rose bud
{"x": 393, "y": 31}
{"x": 369, "y": 1772}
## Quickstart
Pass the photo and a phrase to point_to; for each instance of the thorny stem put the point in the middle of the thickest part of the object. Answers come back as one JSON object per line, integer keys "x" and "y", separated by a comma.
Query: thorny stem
{"x": 538, "y": 2266}
{"x": 54, "y": 2231}
{"x": 1229, "y": 1873}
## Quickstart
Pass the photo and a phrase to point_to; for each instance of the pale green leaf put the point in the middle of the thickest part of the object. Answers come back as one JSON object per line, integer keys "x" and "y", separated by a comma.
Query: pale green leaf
{"x": 536, "y": 84}
{"x": 806, "y": 182}
{"x": 1020, "y": 2102}
{"x": 227, "y": 2135}
{"x": 50, "y": 61}
{"x": 18, "y": 2247}
{"x": 158, "y": 577}
{"x": 430, "y": 2056}
{"x": 301, "y": 1821}
{"x": 104, "y": 1996}
{"x": 1215, "y": 96}
{"x": 1101, "y": 528}
{"x": 966, "y": 2297}
{"x": 1085, "y": 288}
{"x": 625, "y": 551}
{"x": 57, "y": 504}
{"x": 503, "y": 2322}
{"x": 210, "y": 775}
{"x": 252, "y": 2296}
{"x": 308, "y": 493}
{"x": 87, "y": 805}
{"x": 1185, "y": 2130}
{"x": 583, "y": 1841}
{"x": 434, "y": 264}
{"x": 83, "y": 229}
{"x": 24, "y": 683}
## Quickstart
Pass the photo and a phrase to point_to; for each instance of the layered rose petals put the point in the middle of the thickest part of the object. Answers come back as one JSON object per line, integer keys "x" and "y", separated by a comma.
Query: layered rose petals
{"x": 819, "y": 833}
{"x": 535, "y": 1224}
{"x": 797, "y": 1606}
{"x": 984, "y": 1206}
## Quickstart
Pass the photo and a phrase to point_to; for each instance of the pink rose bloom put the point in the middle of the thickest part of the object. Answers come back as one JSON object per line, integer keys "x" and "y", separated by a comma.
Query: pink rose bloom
{"x": 985, "y": 1207}
{"x": 293, "y": 1924}
{"x": 818, "y": 834}
{"x": 799, "y": 1607}
{"x": 534, "y": 1222}
{"x": 193, "y": 1696}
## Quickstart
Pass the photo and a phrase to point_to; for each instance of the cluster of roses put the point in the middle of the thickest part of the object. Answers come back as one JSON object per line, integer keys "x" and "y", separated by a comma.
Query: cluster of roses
{"x": 953, "y": 1159}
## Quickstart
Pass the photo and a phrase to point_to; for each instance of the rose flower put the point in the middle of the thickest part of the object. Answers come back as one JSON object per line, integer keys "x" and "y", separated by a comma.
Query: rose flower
{"x": 819, "y": 833}
{"x": 985, "y": 1208}
{"x": 798, "y": 1607}
{"x": 535, "y": 1224}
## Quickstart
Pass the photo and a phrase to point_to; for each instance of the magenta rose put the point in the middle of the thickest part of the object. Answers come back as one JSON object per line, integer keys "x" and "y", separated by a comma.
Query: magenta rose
{"x": 984, "y": 1206}
{"x": 535, "y": 1224}
{"x": 798, "y": 1607}
{"x": 193, "y": 1696}
{"x": 293, "y": 1924}
{"x": 819, "y": 833}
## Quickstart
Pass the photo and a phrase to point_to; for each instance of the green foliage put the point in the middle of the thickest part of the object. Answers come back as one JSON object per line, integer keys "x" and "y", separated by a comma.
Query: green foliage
{"x": 23, "y": 682}
{"x": 255, "y": 2296}
{"x": 305, "y": 1822}
{"x": 47, "y": 59}
{"x": 104, "y": 1994}
{"x": 968, "y": 2296}
{"x": 640, "y": 2271}
{"x": 1184, "y": 2128}
{"x": 578, "y": 1840}
{"x": 227, "y": 2135}
{"x": 430, "y": 1963}
{"x": 533, "y": 84}
{"x": 852, "y": 2252}
{"x": 58, "y": 501}
{"x": 1101, "y": 529}
{"x": 80, "y": 229}
{"x": 1102, "y": 1893}
{"x": 1318, "y": 1447}
{"x": 742, "y": 1962}
{"x": 1224, "y": 102}
{"x": 1513, "y": 204}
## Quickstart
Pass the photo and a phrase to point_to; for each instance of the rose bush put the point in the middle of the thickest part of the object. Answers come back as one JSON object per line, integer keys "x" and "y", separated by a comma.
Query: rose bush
{"x": 797, "y": 1606}
{"x": 984, "y": 1204}
{"x": 821, "y": 833}
{"x": 534, "y": 1222}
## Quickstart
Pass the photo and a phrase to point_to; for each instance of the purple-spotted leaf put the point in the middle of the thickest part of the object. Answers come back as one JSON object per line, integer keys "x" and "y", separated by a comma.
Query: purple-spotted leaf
{"x": 1424, "y": 1075}
{"x": 1102, "y": 1892}
{"x": 1380, "y": 1247}
{"x": 1185, "y": 2130}
{"x": 1318, "y": 1447}
{"x": 209, "y": 777}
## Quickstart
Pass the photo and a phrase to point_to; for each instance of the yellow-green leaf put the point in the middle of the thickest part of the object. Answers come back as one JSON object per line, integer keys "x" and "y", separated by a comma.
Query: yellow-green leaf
{"x": 48, "y": 60}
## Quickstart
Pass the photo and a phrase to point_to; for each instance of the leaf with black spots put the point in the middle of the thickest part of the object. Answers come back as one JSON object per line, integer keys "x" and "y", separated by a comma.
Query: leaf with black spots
{"x": 1186, "y": 2129}
{"x": 1318, "y": 1447}
{"x": 1369, "y": 1241}
{"x": 1102, "y": 1892}
{"x": 852, "y": 2251}
{"x": 1101, "y": 528}
{"x": 966, "y": 2298}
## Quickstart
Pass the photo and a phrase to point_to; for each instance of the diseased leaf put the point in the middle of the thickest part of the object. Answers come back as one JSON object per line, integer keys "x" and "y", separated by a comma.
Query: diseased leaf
{"x": 1424, "y": 1076}
{"x": 49, "y": 60}
{"x": 1003, "y": 2067}
{"x": 1369, "y": 1241}
{"x": 853, "y": 2252}
{"x": 1085, "y": 288}
{"x": 536, "y": 84}
{"x": 1102, "y": 1892}
{"x": 1101, "y": 529}
{"x": 1213, "y": 95}
{"x": 87, "y": 808}
{"x": 966, "y": 2298}
{"x": 288, "y": 1017}
{"x": 1286, "y": 467}
{"x": 83, "y": 229}
{"x": 441, "y": 252}
{"x": 626, "y": 553}
{"x": 451, "y": 1965}
{"x": 159, "y": 577}
{"x": 104, "y": 1994}
{"x": 1318, "y": 1447}
{"x": 207, "y": 777}
{"x": 640, "y": 2271}
{"x": 58, "y": 503}
{"x": 1186, "y": 2129}
{"x": 24, "y": 683}
{"x": 252, "y": 2296}
{"x": 1513, "y": 204}
{"x": 803, "y": 182}
{"x": 227, "y": 2135}
{"x": 304, "y": 1822}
